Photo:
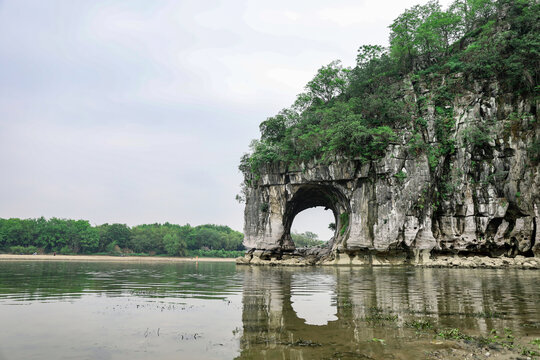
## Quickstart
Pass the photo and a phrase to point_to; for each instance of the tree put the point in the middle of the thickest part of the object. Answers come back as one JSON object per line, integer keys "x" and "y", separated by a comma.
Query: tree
{"x": 81, "y": 236}
{"x": 174, "y": 245}
{"x": 147, "y": 238}
{"x": 306, "y": 239}
{"x": 434, "y": 34}
{"x": 422, "y": 34}
{"x": 367, "y": 54}
{"x": 117, "y": 233}
{"x": 402, "y": 37}
{"x": 471, "y": 13}
{"x": 273, "y": 129}
{"x": 329, "y": 82}
{"x": 206, "y": 237}
{"x": 3, "y": 236}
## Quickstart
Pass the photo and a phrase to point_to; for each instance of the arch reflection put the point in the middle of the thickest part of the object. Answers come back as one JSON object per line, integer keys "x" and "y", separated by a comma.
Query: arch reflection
{"x": 352, "y": 306}
{"x": 313, "y": 297}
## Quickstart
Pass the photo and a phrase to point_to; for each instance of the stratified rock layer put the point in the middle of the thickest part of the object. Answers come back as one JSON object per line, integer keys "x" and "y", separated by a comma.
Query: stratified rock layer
{"x": 482, "y": 198}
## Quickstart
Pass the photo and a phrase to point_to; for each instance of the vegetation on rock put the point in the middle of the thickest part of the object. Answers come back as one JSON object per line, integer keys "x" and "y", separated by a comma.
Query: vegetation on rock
{"x": 357, "y": 112}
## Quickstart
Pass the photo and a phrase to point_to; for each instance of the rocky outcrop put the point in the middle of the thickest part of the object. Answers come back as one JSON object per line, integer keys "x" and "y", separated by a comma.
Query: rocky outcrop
{"x": 480, "y": 198}
{"x": 384, "y": 259}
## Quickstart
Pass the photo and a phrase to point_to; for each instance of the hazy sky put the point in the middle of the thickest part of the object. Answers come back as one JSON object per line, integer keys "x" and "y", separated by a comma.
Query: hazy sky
{"x": 138, "y": 111}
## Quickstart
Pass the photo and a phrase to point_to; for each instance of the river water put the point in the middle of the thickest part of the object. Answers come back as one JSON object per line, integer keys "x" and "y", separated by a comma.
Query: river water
{"x": 92, "y": 310}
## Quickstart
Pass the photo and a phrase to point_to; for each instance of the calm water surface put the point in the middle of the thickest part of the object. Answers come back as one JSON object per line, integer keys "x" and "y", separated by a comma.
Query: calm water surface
{"x": 78, "y": 310}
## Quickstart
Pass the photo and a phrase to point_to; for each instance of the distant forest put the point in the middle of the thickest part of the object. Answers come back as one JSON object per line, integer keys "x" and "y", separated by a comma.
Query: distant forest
{"x": 63, "y": 236}
{"x": 306, "y": 239}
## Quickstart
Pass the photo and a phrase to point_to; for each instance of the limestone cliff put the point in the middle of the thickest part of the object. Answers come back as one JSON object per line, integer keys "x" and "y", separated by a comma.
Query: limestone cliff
{"x": 481, "y": 198}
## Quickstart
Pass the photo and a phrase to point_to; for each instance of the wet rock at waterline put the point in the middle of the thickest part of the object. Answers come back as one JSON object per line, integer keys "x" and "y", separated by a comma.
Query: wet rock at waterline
{"x": 381, "y": 259}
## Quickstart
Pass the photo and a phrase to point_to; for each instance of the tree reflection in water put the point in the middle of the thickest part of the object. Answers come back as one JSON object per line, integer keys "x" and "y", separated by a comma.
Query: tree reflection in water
{"x": 292, "y": 313}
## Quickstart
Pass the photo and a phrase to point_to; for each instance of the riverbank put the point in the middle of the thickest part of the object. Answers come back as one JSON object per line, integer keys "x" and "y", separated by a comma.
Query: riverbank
{"x": 424, "y": 259}
{"x": 106, "y": 258}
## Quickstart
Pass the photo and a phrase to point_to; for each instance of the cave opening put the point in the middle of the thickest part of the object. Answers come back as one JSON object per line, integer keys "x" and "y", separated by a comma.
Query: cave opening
{"x": 315, "y": 206}
{"x": 313, "y": 227}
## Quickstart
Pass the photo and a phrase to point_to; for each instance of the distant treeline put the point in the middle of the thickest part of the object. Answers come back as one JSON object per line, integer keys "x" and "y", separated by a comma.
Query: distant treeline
{"x": 80, "y": 237}
{"x": 306, "y": 239}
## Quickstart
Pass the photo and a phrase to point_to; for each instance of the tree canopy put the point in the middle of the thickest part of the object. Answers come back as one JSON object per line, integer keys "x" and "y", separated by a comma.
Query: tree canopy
{"x": 79, "y": 237}
{"x": 306, "y": 239}
{"x": 357, "y": 112}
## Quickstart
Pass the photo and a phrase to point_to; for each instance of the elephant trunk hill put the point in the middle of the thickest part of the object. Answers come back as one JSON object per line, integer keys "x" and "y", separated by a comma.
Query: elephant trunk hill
{"x": 422, "y": 152}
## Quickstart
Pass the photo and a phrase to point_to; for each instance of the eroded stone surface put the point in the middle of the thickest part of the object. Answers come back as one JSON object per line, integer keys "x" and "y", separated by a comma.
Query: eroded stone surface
{"x": 480, "y": 200}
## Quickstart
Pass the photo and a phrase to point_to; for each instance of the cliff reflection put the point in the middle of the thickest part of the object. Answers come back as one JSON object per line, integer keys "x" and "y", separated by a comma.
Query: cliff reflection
{"x": 291, "y": 313}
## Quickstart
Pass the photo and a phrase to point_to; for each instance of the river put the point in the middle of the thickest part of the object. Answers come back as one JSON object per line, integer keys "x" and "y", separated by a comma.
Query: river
{"x": 92, "y": 310}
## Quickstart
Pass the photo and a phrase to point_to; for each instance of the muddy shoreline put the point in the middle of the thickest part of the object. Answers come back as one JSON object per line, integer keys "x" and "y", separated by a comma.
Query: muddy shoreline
{"x": 518, "y": 262}
{"x": 105, "y": 258}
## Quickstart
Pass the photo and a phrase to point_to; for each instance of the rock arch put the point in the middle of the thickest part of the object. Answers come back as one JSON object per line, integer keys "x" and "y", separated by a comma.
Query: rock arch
{"x": 414, "y": 200}
{"x": 397, "y": 209}
{"x": 310, "y": 196}
{"x": 362, "y": 196}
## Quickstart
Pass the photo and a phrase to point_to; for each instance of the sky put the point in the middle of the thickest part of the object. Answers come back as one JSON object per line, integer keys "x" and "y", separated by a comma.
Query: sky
{"x": 139, "y": 111}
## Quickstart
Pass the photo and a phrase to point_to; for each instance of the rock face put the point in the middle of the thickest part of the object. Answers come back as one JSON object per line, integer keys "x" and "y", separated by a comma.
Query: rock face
{"x": 483, "y": 198}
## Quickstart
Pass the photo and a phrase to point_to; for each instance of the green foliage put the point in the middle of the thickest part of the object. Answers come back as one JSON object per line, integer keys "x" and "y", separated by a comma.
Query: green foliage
{"x": 273, "y": 129}
{"x": 78, "y": 236}
{"x": 147, "y": 238}
{"x": 453, "y": 334}
{"x": 216, "y": 253}
{"x": 66, "y": 250}
{"x": 510, "y": 54}
{"x": 416, "y": 144}
{"x": 214, "y": 237}
{"x": 367, "y": 54}
{"x": 534, "y": 151}
{"x": 505, "y": 339}
{"x": 174, "y": 245}
{"x": 112, "y": 248}
{"x": 420, "y": 325}
{"x": 51, "y": 235}
{"x": 354, "y": 139}
{"x": 422, "y": 34}
{"x": 118, "y": 233}
{"x": 306, "y": 239}
{"x": 344, "y": 219}
{"x": 476, "y": 137}
{"x": 330, "y": 82}
{"x": 23, "y": 250}
{"x": 401, "y": 175}
{"x": 444, "y": 126}
{"x": 377, "y": 316}
{"x": 357, "y": 113}
{"x": 323, "y": 123}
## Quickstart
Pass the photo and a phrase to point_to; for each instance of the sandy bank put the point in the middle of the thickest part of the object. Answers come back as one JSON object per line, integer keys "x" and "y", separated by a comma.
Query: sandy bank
{"x": 104, "y": 258}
